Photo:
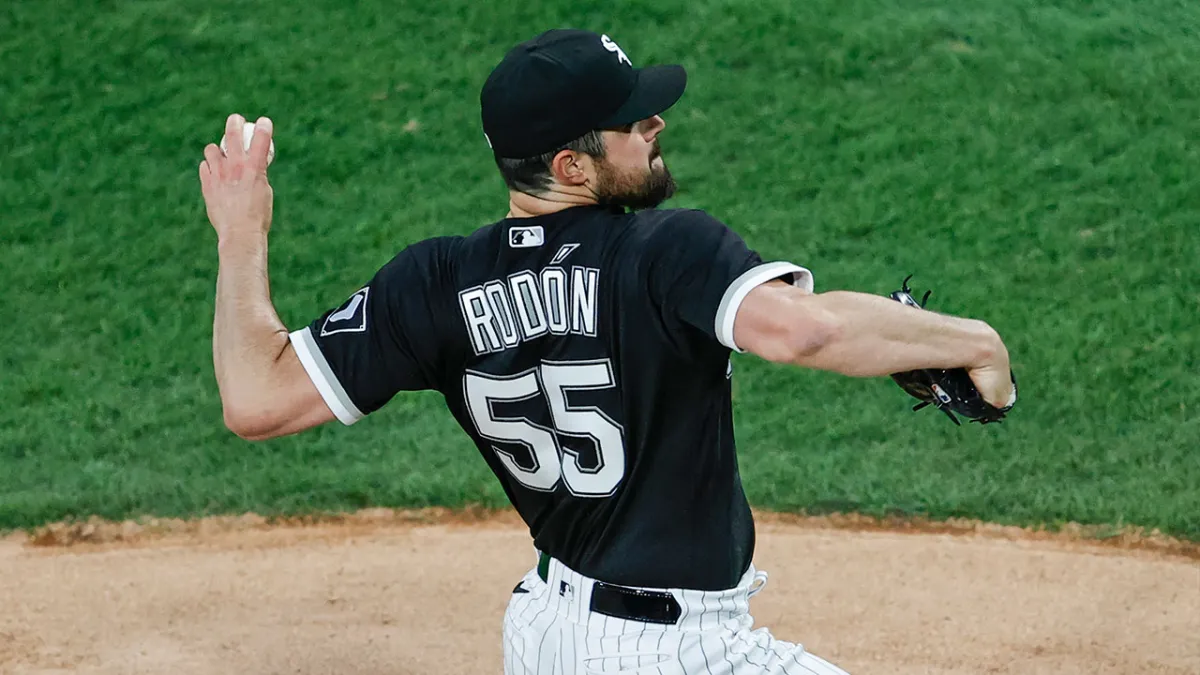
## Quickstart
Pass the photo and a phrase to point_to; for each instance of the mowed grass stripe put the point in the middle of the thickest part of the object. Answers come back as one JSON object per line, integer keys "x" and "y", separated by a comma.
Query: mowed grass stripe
{"x": 1033, "y": 165}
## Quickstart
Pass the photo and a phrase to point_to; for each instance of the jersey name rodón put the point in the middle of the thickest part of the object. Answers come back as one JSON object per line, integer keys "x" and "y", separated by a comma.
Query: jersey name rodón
{"x": 586, "y": 354}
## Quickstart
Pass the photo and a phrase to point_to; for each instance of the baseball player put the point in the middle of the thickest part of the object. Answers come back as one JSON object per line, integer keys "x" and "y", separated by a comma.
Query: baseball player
{"x": 583, "y": 343}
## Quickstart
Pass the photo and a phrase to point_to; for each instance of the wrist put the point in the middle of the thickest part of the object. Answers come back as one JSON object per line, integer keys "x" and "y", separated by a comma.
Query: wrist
{"x": 989, "y": 348}
{"x": 241, "y": 242}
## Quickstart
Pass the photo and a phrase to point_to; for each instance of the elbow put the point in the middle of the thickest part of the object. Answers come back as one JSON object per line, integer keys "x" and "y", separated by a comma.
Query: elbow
{"x": 811, "y": 335}
{"x": 798, "y": 333}
{"x": 786, "y": 325}
{"x": 247, "y": 424}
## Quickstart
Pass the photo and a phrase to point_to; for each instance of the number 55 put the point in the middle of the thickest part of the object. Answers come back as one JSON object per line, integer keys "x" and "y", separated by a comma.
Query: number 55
{"x": 550, "y": 462}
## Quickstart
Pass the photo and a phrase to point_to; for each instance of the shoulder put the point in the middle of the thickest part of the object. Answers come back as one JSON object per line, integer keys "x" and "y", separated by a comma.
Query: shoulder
{"x": 427, "y": 250}
{"x": 424, "y": 261}
{"x": 664, "y": 223}
{"x": 681, "y": 234}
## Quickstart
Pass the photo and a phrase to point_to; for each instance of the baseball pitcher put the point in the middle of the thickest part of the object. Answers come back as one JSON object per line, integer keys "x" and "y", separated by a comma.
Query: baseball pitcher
{"x": 583, "y": 343}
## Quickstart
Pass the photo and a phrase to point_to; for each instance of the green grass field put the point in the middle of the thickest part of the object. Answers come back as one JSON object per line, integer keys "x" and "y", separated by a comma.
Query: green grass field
{"x": 1035, "y": 163}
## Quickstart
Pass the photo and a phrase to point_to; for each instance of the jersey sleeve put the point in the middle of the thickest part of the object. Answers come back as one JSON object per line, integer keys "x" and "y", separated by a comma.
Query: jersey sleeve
{"x": 381, "y": 340}
{"x": 700, "y": 271}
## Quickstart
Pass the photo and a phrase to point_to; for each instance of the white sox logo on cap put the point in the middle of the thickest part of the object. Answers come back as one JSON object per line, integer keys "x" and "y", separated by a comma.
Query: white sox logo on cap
{"x": 564, "y": 83}
{"x": 612, "y": 47}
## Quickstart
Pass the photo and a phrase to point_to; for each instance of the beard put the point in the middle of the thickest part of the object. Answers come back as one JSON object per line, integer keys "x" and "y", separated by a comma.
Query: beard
{"x": 634, "y": 189}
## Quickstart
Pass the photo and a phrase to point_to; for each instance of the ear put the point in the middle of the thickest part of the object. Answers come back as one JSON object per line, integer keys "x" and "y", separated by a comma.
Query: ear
{"x": 571, "y": 168}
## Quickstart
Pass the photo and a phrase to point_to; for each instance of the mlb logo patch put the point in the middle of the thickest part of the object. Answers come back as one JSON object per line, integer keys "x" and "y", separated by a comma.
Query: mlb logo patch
{"x": 526, "y": 237}
{"x": 351, "y": 317}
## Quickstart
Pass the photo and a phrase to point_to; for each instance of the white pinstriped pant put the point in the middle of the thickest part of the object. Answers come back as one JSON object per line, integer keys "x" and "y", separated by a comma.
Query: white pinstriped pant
{"x": 550, "y": 630}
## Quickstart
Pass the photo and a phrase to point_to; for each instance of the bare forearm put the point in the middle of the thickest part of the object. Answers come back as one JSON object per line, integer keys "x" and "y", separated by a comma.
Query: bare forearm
{"x": 248, "y": 337}
{"x": 873, "y": 336}
{"x": 265, "y": 389}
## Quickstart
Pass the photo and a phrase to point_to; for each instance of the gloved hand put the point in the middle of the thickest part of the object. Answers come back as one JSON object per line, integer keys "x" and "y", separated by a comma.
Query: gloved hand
{"x": 951, "y": 391}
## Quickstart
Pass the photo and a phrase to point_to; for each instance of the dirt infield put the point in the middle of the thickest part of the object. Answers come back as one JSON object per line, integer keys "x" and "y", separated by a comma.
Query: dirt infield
{"x": 389, "y": 593}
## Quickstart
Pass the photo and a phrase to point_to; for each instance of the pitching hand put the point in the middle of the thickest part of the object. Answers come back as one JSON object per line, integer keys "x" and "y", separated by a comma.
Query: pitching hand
{"x": 236, "y": 192}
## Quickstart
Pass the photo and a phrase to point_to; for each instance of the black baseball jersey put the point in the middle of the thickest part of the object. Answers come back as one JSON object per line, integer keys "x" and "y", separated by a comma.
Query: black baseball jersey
{"x": 586, "y": 353}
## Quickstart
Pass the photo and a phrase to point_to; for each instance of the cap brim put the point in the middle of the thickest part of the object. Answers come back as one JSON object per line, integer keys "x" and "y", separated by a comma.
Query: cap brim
{"x": 657, "y": 89}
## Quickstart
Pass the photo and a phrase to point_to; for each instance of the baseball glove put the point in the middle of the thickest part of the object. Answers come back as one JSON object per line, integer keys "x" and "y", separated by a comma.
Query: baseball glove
{"x": 951, "y": 391}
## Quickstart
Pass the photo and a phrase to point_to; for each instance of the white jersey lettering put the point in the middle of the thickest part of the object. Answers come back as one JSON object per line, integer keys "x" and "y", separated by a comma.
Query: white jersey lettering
{"x": 500, "y": 314}
{"x": 531, "y": 309}
{"x": 584, "y": 281}
{"x": 481, "y": 320}
{"x": 554, "y": 290}
{"x": 502, "y": 307}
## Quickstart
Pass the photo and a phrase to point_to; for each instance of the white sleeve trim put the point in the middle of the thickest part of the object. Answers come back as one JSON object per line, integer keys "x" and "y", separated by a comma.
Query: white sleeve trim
{"x": 741, "y": 287}
{"x": 322, "y": 376}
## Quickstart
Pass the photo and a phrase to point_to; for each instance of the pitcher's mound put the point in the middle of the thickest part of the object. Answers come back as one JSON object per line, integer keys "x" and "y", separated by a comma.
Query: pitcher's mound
{"x": 404, "y": 592}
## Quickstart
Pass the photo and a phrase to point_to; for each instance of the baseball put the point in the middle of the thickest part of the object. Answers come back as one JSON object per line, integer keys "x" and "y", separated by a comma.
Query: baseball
{"x": 247, "y": 136}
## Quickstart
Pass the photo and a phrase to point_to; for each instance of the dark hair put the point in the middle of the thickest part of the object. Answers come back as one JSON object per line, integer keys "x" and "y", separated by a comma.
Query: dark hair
{"x": 532, "y": 174}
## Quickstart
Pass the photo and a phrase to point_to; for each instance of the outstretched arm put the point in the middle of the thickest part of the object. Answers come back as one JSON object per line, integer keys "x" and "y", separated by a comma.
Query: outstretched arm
{"x": 265, "y": 391}
{"x": 863, "y": 335}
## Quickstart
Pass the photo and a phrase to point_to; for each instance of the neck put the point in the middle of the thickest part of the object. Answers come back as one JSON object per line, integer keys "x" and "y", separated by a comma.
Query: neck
{"x": 553, "y": 200}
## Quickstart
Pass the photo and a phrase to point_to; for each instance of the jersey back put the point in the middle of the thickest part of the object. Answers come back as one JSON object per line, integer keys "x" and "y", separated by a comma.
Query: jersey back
{"x": 586, "y": 354}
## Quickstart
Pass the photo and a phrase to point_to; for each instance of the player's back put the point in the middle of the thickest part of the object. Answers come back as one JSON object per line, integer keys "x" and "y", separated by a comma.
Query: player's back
{"x": 594, "y": 383}
{"x": 586, "y": 352}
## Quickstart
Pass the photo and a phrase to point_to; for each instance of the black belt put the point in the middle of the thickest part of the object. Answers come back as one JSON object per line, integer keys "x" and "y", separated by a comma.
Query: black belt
{"x": 622, "y": 602}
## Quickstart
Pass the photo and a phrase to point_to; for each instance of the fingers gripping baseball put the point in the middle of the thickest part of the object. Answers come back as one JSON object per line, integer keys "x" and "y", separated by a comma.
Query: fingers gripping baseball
{"x": 233, "y": 145}
{"x": 233, "y": 178}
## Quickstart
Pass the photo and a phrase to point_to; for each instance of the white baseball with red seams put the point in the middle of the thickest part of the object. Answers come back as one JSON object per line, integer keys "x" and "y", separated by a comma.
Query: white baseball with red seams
{"x": 247, "y": 137}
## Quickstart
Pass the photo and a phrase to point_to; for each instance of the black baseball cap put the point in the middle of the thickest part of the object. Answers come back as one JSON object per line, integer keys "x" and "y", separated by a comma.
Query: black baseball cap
{"x": 560, "y": 85}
